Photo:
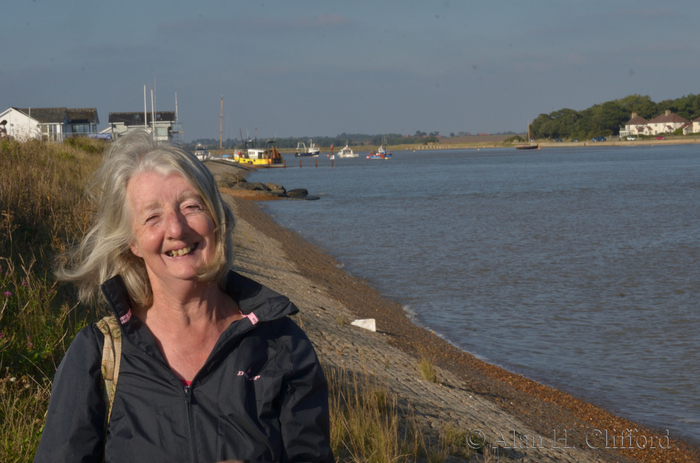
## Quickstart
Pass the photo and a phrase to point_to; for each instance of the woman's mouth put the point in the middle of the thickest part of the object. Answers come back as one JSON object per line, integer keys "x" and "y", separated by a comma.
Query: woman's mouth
{"x": 182, "y": 251}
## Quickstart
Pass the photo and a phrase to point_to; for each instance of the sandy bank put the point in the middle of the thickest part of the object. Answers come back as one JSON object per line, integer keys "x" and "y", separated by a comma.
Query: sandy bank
{"x": 528, "y": 421}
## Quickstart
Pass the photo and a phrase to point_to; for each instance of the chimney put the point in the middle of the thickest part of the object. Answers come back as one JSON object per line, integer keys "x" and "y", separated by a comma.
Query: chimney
{"x": 667, "y": 112}
{"x": 633, "y": 115}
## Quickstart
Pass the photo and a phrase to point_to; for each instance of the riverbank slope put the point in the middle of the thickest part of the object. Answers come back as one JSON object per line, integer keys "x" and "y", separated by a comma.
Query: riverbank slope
{"x": 524, "y": 419}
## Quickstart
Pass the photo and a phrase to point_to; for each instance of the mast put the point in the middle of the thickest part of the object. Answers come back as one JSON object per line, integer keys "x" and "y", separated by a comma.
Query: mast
{"x": 145, "y": 110}
{"x": 221, "y": 125}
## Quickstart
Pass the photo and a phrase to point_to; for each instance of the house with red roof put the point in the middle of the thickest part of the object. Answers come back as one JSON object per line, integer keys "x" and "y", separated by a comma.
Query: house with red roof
{"x": 667, "y": 122}
{"x": 635, "y": 126}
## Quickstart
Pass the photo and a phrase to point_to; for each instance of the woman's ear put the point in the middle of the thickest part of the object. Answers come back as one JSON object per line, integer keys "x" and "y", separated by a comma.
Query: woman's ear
{"x": 135, "y": 250}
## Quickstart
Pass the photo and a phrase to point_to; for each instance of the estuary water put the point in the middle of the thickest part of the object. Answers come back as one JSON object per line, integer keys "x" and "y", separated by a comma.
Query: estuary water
{"x": 576, "y": 267}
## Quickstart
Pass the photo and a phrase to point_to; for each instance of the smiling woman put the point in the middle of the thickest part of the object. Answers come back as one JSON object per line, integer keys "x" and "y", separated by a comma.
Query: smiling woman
{"x": 211, "y": 368}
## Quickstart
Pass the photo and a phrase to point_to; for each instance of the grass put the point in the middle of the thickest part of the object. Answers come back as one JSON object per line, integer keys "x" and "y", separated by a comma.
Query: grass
{"x": 42, "y": 210}
{"x": 427, "y": 370}
{"x": 369, "y": 424}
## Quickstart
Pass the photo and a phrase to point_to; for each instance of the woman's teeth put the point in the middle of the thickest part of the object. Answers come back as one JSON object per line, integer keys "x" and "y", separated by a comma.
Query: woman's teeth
{"x": 181, "y": 252}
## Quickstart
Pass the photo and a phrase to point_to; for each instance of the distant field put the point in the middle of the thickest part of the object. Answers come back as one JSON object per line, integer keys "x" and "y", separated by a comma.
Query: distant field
{"x": 475, "y": 139}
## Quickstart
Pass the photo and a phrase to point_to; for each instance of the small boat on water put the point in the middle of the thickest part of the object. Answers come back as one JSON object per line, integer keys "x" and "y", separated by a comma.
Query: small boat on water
{"x": 380, "y": 153}
{"x": 259, "y": 157}
{"x": 347, "y": 152}
{"x": 201, "y": 152}
{"x": 312, "y": 151}
{"x": 528, "y": 145}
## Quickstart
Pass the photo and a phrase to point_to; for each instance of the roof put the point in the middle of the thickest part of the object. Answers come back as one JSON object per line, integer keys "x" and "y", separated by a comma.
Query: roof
{"x": 46, "y": 115}
{"x": 637, "y": 120}
{"x": 668, "y": 118}
{"x": 137, "y": 117}
{"x": 62, "y": 115}
{"x": 83, "y": 115}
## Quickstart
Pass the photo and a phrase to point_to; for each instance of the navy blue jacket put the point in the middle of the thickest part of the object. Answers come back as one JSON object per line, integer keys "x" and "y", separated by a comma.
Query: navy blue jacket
{"x": 260, "y": 396}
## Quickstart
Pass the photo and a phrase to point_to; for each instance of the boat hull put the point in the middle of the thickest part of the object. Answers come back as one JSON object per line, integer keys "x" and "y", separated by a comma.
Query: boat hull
{"x": 527, "y": 147}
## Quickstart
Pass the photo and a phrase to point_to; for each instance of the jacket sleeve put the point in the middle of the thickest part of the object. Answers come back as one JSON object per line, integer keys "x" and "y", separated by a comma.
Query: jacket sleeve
{"x": 304, "y": 415}
{"x": 74, "y": 428}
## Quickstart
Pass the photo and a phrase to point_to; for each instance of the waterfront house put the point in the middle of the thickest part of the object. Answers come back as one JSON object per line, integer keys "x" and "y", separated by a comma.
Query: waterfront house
{"x": 665, "y": 123}
{"x": 49, "y": 124}
{"x": 637, "y": 125}
{"x": 668, "y": 122}
{"x": 163, "y": 124}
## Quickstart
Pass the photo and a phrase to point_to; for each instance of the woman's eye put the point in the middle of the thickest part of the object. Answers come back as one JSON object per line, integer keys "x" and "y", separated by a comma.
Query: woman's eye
{"x": 192, "y": 207}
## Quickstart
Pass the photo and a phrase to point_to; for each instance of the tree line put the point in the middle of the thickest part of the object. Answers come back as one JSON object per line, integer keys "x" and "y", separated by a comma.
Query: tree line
{"x": 606, "y": 119}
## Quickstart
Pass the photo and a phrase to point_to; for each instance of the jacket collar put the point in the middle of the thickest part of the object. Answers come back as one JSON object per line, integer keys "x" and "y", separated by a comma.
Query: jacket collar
{"x": 257, "y": 302}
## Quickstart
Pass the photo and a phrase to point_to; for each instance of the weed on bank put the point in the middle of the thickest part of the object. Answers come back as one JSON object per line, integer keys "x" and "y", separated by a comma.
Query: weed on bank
{"x": 43, "y": 209}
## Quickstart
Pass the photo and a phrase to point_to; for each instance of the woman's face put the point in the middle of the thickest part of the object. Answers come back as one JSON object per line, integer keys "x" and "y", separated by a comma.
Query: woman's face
{"x": 173, "y": 232}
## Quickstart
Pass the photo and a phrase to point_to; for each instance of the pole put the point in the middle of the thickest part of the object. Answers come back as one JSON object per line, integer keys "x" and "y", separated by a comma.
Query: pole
{"x": 145, "y": 109}
{"x": 221, "y": 126}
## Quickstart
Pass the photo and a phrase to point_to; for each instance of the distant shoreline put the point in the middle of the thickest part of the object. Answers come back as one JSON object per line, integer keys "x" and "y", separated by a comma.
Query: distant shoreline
{"x": 500, "y": 144}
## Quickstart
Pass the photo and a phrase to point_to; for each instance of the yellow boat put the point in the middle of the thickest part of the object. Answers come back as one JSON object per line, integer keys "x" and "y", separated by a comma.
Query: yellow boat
{"x": 259, "y": 157}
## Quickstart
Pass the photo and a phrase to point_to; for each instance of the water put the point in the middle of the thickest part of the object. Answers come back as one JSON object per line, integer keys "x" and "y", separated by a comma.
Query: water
{"x": 575, "y": 267}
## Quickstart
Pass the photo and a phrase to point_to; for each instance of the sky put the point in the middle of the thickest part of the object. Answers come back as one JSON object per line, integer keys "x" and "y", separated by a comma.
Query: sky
{"x": 308, "y": 68}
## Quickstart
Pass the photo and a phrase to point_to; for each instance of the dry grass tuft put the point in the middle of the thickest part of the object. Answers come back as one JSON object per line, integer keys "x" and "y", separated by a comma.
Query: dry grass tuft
{"x": 43, "y": 209}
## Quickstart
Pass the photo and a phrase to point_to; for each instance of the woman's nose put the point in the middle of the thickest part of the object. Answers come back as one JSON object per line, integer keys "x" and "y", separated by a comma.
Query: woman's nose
{"x": 176, "y": 225}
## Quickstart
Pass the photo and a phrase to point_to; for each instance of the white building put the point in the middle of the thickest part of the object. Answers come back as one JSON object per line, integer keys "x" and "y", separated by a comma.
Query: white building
{"x": 666, "y": 123}
{"x": 162, "y": 124}
{"x": 50, "y": 124}
{"x": 635, "y": 126}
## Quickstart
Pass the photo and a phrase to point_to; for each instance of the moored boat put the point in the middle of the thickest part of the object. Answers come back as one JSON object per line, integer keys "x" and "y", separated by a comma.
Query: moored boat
{"x": 347, "y": 152}
{"x": 380, "y": 153}
{"x": 528, "y": 145}
{"x": 303, "y": 151}
{"x": 259, "y": 157}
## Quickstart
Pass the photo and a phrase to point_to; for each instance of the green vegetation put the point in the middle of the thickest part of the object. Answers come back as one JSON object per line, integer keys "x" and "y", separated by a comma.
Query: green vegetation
{"x": 427, "y": 370}
{"x": 42, "y": 210}
{"x": 605, "y": 119}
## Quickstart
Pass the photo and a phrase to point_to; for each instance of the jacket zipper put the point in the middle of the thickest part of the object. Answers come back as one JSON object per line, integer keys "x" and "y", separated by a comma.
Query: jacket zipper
{"x": 190, "y": 424}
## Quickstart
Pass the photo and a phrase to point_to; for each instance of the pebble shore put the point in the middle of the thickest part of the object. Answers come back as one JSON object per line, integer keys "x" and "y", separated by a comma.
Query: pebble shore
{"x": 523, "y": 420}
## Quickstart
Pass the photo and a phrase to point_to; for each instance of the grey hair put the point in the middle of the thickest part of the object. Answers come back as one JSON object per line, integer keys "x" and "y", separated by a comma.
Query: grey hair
{"x": 105, "y": 252}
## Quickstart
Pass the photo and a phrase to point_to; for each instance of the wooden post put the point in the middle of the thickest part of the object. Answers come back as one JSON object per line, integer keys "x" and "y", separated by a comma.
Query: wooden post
{"x": 316, "y": 162}
{"x": 300, "y": 163}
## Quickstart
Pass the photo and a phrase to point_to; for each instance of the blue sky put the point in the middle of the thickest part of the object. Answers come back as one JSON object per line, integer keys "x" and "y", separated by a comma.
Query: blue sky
{"x": 321, "y": 68}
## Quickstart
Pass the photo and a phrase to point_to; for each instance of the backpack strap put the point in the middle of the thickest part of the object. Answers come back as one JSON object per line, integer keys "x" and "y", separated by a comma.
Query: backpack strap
{"x": 111, "y": 360}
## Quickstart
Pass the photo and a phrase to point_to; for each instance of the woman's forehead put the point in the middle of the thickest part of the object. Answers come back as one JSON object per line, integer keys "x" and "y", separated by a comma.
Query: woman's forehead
{"x": 151, "y": 187}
